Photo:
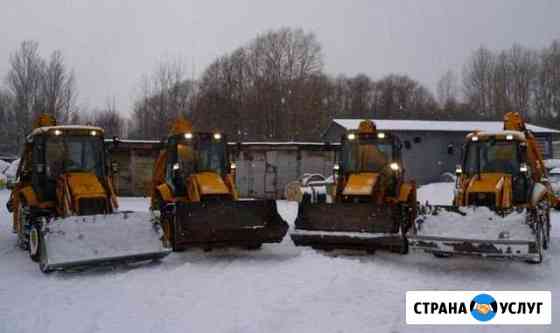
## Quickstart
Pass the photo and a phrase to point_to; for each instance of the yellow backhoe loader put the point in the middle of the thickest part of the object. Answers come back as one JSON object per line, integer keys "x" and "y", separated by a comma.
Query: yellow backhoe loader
{"x": 64, "y": 205}
{"x": 502, "y": 200}
{"x": 194, "y": 190}
{"x": 372, "y": 205}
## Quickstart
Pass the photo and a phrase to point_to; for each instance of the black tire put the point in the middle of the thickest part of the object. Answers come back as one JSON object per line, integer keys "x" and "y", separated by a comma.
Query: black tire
{"x": 35, "y": 243}
{"x": 539, "y": 233}
{"x": 168, "y": 225}
{"x": 23, "y": 238}
{"x": 44, "y": 268}
{"x": 442, "y": 255}
{"x": 254, "y": 247}
{"x": 546, "y": 233}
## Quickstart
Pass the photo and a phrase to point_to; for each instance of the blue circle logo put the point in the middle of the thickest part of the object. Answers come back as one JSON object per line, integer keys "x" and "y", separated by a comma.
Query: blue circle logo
{"x": 483, "y": 307}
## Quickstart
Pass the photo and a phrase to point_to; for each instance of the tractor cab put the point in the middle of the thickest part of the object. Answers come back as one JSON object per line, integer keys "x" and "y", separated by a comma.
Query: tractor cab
{"x": 56, "y": 151}
{"x": 494, "y": 165}
{"x": 195, "y": 154}
{"x": 370, "y": 162}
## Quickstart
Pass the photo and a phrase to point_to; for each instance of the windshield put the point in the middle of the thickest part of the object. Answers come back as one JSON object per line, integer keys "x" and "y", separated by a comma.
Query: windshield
{"x": 73, "y": 154}
{"x": 366, "y": 156}
{"x": 209, "y": 156}
{"x": 494, "y": 156}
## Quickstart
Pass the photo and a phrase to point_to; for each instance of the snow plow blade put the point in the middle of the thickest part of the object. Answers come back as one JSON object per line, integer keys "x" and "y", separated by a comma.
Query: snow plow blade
{"x": 347, "y": 226}
{"x": 476, "y": 232}
{"x": 242, "y": 223}
{"x": 97, "y": 240}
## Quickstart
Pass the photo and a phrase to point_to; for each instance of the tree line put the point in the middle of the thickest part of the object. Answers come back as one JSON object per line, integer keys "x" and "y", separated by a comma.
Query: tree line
{"x": 275, "y": 87}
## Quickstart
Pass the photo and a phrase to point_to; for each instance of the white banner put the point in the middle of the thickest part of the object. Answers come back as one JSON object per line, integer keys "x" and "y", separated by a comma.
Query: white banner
{"x": 479, "y": 307}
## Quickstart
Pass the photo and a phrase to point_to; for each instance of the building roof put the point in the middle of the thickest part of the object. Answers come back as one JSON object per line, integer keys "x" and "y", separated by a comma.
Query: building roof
{"x": 45, "y": 129}
{"x": 437, "y": 125}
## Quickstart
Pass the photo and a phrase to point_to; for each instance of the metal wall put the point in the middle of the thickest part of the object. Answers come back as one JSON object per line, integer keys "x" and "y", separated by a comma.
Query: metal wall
{"x": 264, "y": 170}
{"x": 428, "y": 158}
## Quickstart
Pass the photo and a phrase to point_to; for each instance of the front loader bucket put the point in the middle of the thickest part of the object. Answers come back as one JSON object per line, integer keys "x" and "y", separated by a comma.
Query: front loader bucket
{"x": 476, "y": 232}
{"x": 83, "y": 241}
{"x": 348, "y": 226}
{"x": 242, "y": 223}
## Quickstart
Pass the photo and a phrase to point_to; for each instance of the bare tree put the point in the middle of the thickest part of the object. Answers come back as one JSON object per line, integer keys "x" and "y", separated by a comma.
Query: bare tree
{"x": 24, "y": 83}
{"x": 478, "y": 80}
{"x": 165, "y": 95}
{"x": 447, "y": 88}
{"x": 110, "y": 120}
{"x": 58, "y": 89}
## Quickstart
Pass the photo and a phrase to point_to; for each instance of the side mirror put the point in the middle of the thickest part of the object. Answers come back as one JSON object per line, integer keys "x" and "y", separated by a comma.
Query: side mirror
{"x": 450, "y": 149}
{"x": 523, "y": 168}
{"x": 458, "y": 170}
{"x": 114, "y": 167}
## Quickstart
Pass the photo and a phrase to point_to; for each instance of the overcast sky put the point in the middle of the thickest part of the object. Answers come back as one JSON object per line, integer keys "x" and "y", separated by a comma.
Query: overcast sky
{"x": 110, "y": 44}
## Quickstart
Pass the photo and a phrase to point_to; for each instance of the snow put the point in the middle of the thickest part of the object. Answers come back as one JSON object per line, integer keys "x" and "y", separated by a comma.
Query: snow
{"x": 437, "y": 125}
{"x": 480, "y": 223}
{"x": 552, "y": 163}
{"x": 436, "y": 193}
{"x": 281, "y": 288}
{"x": 80, "y": 238}
{"x": 12, "y": 169}
{"x": 555, "y": 171}
{"x": 3, "y": 166}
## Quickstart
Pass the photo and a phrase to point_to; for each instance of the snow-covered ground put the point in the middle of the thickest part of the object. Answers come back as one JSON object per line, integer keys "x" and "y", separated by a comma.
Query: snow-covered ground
{"x": 280, "y": 288}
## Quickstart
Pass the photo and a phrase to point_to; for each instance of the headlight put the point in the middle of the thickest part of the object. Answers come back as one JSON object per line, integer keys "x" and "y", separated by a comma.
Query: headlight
{"x": 93, "y": 133}
{"x": 232, "y": 166}
{"x": 336, "y": 167}
{"x": 394, "y": 166}
{"x": 217, "y": 136}
{"x": 509, "y": 137}
{"x": 474, "y": 138}
{"x": 188, "y": 136}
{"x": 351, "y": 136}
{"x": 176, "y": 166}
{"x": 381, "y": 135}
{"x": 523, "y": 168}
{"x": 57, "y": 132}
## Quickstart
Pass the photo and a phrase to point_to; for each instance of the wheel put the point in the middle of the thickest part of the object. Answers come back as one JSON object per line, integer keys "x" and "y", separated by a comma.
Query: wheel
{"x": 254, "y": 247}
{"x": 546, "y": 231}
{"x": 168, "y": 226}
{"x": 23, "y": 221}
{"x": 441, "y": 254}
{"x": 539, "y": 240}
{"x": 35, "y": 243}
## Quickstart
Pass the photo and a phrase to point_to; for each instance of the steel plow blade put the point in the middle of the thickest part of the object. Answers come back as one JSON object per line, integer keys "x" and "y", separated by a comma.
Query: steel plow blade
{"x": 243, "y": 223}
{"x": 476, "y": 231}
{"x": 82, "y": 241}
{"x": 512, "y": 249}
{"x": 348, "y": 226}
